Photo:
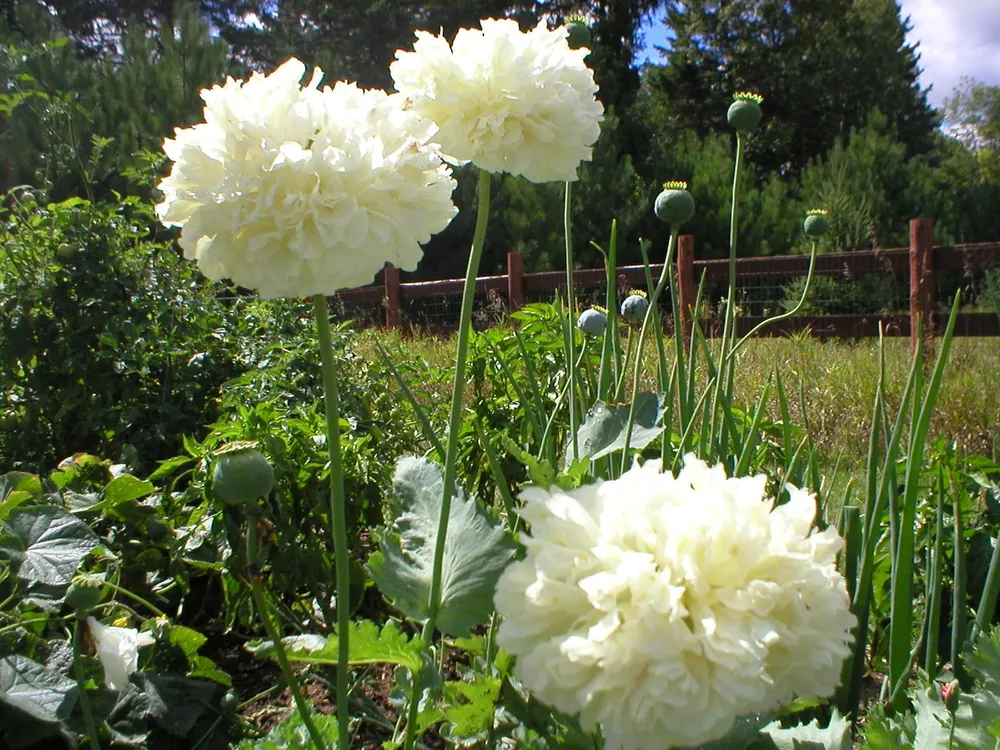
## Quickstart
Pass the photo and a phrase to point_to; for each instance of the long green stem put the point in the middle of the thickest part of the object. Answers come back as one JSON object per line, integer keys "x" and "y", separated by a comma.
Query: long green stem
{"x": 451, "y": 448}
{"x": 286, "y": 668}
{"x": 136, "y": 598}
{"x": 788, "y": 313}
{"x": 653, "y": 309}
{"x": 81, "y": 681}
{"x": 728, "y": 328}
{"x": 571, "y": 304}
{"x": 338, "y": 514}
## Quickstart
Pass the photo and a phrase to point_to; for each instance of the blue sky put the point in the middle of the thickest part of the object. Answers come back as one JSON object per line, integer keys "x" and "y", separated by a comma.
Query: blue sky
{"x": 957, "y": 38}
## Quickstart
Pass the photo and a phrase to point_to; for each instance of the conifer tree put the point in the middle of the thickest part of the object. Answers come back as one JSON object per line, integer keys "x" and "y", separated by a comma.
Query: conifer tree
{"x": 822, "y": 66}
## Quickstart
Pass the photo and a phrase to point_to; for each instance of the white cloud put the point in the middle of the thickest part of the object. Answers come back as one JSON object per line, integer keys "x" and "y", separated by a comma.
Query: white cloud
{"x": 957, "y": 38}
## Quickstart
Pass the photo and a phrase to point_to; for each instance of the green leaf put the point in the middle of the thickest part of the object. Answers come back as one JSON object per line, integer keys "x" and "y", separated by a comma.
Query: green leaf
{"x": 933, "y": 720}
{"x": 291, "y": 734}
{"x": 979, "y": 711}
{"x": 368, "y": 645}
{"x": 186, "y": 639}
{"x": 17, "y": 487}
{"x": 475, "y": 552}
{"x": 168, "y": 467}
{"x": 603, "y": 432}
{"x": 469, "y": 706}
{"x": 835, "y": 736}
{"x": 46, "y": 545}
{"x": 175, "y": 703}
{"x": 743, "y": 732}
{"x": 41, "y": 693}
{"x": 881, "y": 735}
{"x": 124, "y": 488}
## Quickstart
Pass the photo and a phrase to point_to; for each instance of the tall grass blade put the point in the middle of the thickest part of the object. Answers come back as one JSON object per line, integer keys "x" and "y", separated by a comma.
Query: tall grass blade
{"x": 901, "y": 626}
{"x": 934, "y": 576}
{"x": 751, "y": 439}
{"x": 418, "y": 410}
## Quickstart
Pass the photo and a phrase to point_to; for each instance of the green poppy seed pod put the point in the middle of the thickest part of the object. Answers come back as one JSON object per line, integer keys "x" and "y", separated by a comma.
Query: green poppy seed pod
{"x": 634, "y": 308}
{"x": 241, "y": 474}
{"x": 675, "y": 204}
{"x": 84, "y": 593}
{"x": 578, "y": 33}
{"x": 593, "y": 322}
{"x": 816, "y": 223}
{"x": 744, "y": 113}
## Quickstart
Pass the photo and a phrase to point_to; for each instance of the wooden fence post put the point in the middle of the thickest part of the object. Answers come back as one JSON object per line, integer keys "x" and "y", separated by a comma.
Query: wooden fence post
{"x": 515, "y": 281}
{"x": 391, "y": 298}
{"x": 685, "y": 283}
{"x": 922, "y": 284}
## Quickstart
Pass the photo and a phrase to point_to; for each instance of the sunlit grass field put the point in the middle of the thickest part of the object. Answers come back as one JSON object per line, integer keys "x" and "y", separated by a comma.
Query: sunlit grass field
{"x": 830, "y": 386}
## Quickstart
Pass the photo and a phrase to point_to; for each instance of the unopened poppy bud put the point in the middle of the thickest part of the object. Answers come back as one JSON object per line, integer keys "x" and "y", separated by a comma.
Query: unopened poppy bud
{"x": 84, "y": 593}
{"x": 949, "y": 694}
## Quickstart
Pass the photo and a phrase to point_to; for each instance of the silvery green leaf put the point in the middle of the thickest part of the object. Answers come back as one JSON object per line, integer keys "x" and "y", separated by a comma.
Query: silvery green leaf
{"x": 603, "y": 431}
{"x": 476, "y": 551}
{"x": 39, "y": 692}
{"x": 46, "y": 545}
{"x": 835, "y": 736}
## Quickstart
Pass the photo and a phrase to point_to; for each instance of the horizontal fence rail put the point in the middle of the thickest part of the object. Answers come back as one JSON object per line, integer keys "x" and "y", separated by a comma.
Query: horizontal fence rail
{"x": 895, "y": 286}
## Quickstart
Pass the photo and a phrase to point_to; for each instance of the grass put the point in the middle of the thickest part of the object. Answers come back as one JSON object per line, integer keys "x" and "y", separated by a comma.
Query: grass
{"x": 831, "y": 386}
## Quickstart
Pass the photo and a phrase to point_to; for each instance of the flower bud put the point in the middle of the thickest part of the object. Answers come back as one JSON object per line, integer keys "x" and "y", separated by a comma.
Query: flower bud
{"x": 578, "y": 32}
{"x": 634, "y": 307}
{"x": 241, "y": 474}
{"x": 816, "y": 223}
{"x": 675, "y": 204}
{"x": 84, "y": 593}
{"x": 949, "y": 694}
{"x": 593, "y": 321}
{"x": 744, "y": 113}
{"x": 229, "y": 703}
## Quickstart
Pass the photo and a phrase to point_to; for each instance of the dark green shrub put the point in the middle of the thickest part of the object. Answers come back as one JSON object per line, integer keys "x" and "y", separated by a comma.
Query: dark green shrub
{"x": 107, "y": 340}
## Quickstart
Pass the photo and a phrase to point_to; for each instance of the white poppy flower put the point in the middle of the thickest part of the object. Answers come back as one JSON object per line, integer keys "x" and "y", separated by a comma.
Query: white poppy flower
{"x": 118, "y": 650}
{"x": 662, "y": 608}
{"x": 295, "y": 191}
{"x": 507, "y": 101}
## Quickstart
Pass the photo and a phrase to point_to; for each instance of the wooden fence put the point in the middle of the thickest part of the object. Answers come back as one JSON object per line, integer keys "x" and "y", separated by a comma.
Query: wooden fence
{"x": 917, "y": 263}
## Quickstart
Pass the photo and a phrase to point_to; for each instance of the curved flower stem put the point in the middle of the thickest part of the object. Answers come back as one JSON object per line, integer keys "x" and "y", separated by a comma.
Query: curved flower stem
{"x": 286, "y": 668}
{"x": 136, "y": 598}
{"x": 451, "y": 447}
{"x": 81, "y": 681}
{"x": 784, "y": 315}
{"x": 338, "y": 514}
{"x": 652, "y": 310}
{"x": 729, "y": 326}
{"x": 571, "y": 304}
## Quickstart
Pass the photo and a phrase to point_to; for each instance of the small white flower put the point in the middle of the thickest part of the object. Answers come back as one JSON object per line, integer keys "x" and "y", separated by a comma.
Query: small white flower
{"x": 663, "y": 608}
{"x": 118, "y": 650}
{"x": 295, "y": 191}
{"x": 507, "y": 101}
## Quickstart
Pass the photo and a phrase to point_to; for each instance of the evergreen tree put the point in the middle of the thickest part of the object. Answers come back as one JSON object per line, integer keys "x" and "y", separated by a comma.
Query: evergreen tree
{"x": 72, "y": 123}
{"x": 821, "y": 65}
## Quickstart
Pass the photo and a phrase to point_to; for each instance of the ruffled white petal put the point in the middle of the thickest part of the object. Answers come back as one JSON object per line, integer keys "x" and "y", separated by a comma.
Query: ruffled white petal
{"x": 295, "y": 191}
{"x": 662, "y": 608}
{"x": 507, "y": 101}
